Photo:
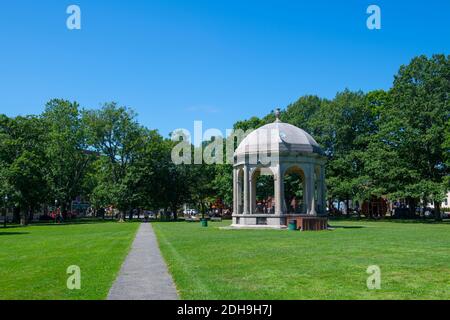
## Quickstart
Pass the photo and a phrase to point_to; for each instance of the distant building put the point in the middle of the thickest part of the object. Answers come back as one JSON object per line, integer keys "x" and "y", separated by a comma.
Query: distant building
{"x": 445, "y": 203}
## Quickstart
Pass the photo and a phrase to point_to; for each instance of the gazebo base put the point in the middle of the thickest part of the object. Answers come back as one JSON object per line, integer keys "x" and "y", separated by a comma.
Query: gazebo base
{"x": 243, "y": 227}
{"x": 303, "y": 222}
{"x": 309, "y": 223}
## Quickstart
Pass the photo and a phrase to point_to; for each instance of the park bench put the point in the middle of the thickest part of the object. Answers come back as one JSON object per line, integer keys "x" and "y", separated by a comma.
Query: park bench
{"x": 216, "y": 219}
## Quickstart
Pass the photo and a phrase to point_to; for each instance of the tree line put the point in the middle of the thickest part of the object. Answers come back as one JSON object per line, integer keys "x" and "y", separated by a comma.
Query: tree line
{"x": 392, "y": 143}
{"x": 103, "y": 155}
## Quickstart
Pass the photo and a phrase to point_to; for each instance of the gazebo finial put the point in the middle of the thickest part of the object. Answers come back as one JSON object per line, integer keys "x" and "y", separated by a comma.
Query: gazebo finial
{"x": 277, "y": 114}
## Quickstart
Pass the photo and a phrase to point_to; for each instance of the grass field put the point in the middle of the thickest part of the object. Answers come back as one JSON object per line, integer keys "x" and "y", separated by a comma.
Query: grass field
{"x": 210, "y": 263}
{"x": 34, "y": 260}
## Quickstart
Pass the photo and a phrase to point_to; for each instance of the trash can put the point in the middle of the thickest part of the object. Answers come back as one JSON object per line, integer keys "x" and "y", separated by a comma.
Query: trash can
{"x": 292, "y": 225}
{"x": 204, "y": 222}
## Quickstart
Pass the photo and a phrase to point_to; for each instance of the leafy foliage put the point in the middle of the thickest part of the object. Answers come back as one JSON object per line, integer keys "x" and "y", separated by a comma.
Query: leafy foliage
{"x": 393, "y": 143}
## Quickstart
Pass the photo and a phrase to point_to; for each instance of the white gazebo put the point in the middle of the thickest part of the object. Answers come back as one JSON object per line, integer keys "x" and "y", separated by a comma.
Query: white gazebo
{"x": 279, "y": 149}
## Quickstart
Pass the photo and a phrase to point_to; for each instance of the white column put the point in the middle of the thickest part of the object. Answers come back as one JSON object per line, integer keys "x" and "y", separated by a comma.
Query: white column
{"x": 311, "y": 210}
{"x": 246, "y": 190}
{"x": 323, "y": 191}
{"x": 235, "y": 191}
{"x": 305, "y": 194}
{"x": 283, "y": 200}
{"x": 252, "y": 205}
{"x": 319, "y": 188}
{"x": 253, "y": 193}
{"x": 240, "y": 182}
{"x": 279, "y": 192}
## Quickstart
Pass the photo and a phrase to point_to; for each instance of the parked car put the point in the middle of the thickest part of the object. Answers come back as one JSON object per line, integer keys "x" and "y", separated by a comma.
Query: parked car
{"x": 428, "y": 212}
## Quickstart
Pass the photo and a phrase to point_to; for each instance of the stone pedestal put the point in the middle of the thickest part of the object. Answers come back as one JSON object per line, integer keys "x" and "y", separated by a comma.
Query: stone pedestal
{"x": 304, "y": 222}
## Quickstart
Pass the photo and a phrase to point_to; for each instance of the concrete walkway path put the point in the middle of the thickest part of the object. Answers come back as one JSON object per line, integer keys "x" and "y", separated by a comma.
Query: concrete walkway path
{"x": 144, "y": 274}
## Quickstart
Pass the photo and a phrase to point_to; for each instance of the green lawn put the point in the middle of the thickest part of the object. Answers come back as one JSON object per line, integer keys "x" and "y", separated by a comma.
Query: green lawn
{"x": 270, "y": 264}
{"x": 34, "y": 260}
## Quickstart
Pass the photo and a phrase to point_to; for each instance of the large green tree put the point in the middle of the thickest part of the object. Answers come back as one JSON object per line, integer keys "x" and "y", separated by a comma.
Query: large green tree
{"x": 414, "y": 126}
{"x": 114, "y": 133}
{"x": 66, "y": 149}
{"x": 446, "y": 148}
{"x": 22, "y": 160}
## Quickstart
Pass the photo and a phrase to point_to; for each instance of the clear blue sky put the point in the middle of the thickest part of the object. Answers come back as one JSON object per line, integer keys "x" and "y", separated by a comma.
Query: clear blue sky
{"x": 176, "y": 61}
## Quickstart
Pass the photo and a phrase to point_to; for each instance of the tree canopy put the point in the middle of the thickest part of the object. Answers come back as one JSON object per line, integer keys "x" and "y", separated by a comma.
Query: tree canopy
{"x": 393, "y": 143}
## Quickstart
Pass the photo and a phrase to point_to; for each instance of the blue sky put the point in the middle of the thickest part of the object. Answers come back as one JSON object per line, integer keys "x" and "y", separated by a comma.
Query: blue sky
{"x": 176, "y": 61}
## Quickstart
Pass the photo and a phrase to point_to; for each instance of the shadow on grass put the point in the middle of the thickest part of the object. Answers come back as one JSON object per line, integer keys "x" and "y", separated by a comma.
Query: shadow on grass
{"x": 172, "y": 221}
{"x": 422, "y": 221}
{"x": 347, "y": 227}
{"x": 13, "y": 233}
{"x": 14, "y": 226}
{"x": 65, "y": 223}
{"x": 388, "y": 219}
{"x": 74, "y": 222}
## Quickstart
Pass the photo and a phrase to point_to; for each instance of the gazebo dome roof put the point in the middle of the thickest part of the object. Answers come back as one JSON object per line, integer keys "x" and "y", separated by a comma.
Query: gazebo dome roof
{"x": 279, "y": 137}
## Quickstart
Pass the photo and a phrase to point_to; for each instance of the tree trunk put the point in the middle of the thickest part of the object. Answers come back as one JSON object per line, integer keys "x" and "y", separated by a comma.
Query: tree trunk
{"x": 31, "y": 214}
{"x": 437, "y": 211}
{"x": 5, "y": 216}
{"x": 64, "y": 208}
{"x": 347, "y": 209}
{"x": 369, "y": 208}
{"x": 411, "y": 207}
{"x": 24, "y": 218}
{"x": 358, "y": 209}
{"x": 175, "y": 214}
{"x": 121, "y": 216}
{"x": 202, "y": 206}
{"x": 16, "y": 215}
